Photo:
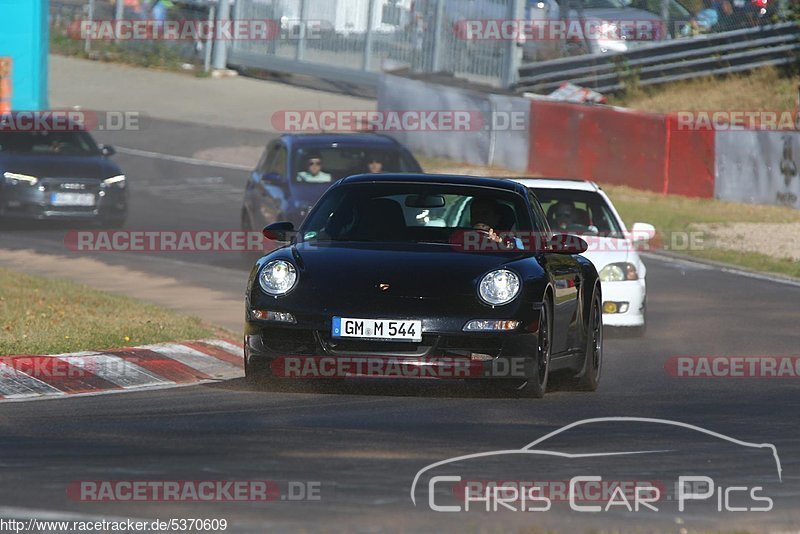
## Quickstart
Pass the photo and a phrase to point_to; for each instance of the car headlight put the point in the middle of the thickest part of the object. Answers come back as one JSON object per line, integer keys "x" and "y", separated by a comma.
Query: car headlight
{"x": 618, "y": 272}
{"x": 14, "y": 178}
{"x": 118, "y": 180}
{"x": 499, "y": 287}
{"x": 278, "y": 277}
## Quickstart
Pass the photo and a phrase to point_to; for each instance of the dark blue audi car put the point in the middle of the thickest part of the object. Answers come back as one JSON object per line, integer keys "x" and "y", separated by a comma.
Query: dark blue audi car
{"x": 61, "y": 175}
{"x": 296, "y": 169}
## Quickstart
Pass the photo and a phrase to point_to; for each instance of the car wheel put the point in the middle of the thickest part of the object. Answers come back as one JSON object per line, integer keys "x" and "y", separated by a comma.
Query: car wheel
{"x": 589, "y": 377}
{"x": 536, "y": 383}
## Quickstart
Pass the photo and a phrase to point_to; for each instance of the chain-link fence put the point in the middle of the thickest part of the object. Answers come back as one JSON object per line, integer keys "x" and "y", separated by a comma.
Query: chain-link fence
{"x": 382, "y": 35}
{"x": 483, "y": 41}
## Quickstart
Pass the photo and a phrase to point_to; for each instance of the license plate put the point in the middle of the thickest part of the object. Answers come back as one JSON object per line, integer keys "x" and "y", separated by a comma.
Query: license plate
{"x": 72, "y": 199}
{"x": 387, "y": 329}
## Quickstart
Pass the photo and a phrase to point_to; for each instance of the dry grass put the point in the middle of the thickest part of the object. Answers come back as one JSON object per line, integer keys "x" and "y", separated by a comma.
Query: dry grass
{"x": 764, "y": 89}
{"x": 44, "y": 316}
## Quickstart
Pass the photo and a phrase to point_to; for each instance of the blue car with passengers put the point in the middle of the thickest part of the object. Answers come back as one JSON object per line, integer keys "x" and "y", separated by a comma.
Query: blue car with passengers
{"x": 296, "y": 169}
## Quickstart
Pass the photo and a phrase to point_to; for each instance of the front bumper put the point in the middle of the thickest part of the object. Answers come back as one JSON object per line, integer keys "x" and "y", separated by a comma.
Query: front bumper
{"x": 36, "y": 202}
{"x": 442, "y": 353}
{"x": 630, "y": 292}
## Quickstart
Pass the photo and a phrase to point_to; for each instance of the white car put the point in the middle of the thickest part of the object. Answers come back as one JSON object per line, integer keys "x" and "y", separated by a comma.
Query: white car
{"x": 580, "y": 207}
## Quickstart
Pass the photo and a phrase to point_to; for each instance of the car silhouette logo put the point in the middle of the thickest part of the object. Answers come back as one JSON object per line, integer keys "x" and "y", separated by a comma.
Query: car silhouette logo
{"x": 384, "y": 287}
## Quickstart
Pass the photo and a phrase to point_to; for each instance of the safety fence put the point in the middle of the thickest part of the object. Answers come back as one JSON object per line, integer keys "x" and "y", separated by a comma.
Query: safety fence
{"x": 680, "y": 59}
{"x": 355, "y": 40}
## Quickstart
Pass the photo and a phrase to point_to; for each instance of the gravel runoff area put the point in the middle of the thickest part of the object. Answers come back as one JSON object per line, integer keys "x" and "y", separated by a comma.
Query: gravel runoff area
{"x": 779, "y": 240}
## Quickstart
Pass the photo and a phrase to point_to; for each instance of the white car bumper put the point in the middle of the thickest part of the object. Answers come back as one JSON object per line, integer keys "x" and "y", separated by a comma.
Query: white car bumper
{"x": 631, "y": 293}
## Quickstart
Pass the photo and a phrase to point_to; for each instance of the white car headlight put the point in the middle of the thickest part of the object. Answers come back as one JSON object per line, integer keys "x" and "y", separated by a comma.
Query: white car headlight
{"x": 277, "y": 277}
{"x": 618, "y": 272}
{"x": 14, "y": 178}
{"x": 118, "y": 180}
{"x": 499, "y": 287}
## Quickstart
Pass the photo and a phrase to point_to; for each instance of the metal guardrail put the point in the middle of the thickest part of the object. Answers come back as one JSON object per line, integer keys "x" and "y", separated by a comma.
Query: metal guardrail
{"x": 705, "y": 55}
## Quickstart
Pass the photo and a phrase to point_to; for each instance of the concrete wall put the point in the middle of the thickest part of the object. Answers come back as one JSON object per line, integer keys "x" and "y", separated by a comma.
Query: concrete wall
{"x": 758, "y": 167}
{"x": 484, "y": 146}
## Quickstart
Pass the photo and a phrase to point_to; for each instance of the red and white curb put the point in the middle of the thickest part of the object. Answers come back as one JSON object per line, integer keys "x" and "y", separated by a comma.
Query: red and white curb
{"x": 112, "y": 371}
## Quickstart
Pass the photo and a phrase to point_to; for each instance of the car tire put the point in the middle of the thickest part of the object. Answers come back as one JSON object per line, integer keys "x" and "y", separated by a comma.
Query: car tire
{"x": 536, "y": 384}
{"x": 589, "y": 377}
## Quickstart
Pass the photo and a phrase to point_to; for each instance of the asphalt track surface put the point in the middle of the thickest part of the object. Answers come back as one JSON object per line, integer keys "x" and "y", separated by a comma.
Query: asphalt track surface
{"x": 364, "y": 443}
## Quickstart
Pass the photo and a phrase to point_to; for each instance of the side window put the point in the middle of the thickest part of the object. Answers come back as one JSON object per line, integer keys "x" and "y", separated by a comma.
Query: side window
{"x": 539, "y": 218}
{"x": 263, "y": 163}
{"x": 277, "y": 163}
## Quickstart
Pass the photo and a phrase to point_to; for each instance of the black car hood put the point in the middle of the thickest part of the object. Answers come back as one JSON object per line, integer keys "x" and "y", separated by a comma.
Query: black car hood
{"x": 42, "y": 166}
{"x": 412, "y": 270}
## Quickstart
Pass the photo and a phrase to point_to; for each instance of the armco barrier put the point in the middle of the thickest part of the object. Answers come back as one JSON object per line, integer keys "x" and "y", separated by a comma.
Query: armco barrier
{"x": 619, "y": 147}
{"x": 758, "y": 167}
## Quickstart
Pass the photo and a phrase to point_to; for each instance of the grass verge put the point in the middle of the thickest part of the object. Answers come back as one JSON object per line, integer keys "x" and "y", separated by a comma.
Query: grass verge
{"x": 45, "y": 316}
{"x": 765, "y": 89}
{"x": 672, "y": 214}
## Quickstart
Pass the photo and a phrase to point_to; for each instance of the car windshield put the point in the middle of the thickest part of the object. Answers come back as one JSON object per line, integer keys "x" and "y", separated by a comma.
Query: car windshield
{"x": 412, "y": 212}
{"x": 48, "y": 143}
{"x": 578, "y": 212}
{"x": 328, "y": 164}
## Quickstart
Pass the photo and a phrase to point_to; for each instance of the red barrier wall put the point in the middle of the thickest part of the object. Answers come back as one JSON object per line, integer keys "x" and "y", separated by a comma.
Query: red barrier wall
{"x": 620, "y": 147}
{"x": 691, "y": 161}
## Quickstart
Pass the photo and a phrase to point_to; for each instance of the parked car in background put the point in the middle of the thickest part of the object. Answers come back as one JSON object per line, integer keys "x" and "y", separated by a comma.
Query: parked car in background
{"x": 296, "y": 169}
{"x": 606, "y": 16}
{"x": 60, "y": 175}
{"x": 580, "y": 207}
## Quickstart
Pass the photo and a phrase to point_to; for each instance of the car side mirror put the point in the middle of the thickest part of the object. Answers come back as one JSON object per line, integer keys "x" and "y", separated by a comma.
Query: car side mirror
{"x": 107, "y": 150}
{"x": 272, "y": 178}
{"x": 567, "y": 244}
{"x": 279, "y": 231}
{"x": 642, "y": 232}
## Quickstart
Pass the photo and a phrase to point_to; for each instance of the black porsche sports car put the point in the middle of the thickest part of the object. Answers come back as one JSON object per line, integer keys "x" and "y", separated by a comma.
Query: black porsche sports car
{"x": 374, "y": 273}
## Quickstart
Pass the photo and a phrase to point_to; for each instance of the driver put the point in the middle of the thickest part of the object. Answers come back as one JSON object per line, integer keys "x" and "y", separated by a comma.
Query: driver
{"x": 314, "y": 173}
{"x": 563, "y": 214}
{"x": 485, "y": 216}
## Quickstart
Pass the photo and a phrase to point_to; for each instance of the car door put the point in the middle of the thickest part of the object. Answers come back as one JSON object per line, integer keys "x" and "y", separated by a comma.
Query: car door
{"x": 273, "y": 187}
{"x": 252, "y": 193}
{"x": 567, "y": 277}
